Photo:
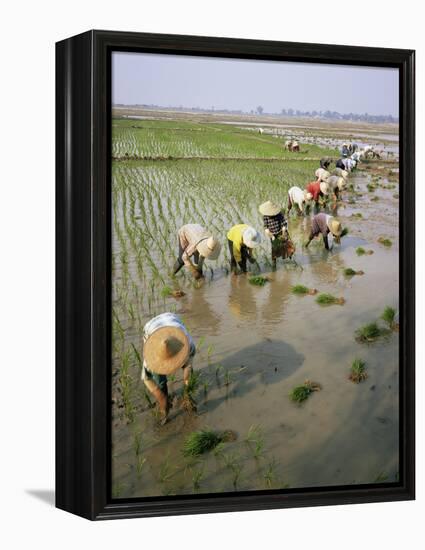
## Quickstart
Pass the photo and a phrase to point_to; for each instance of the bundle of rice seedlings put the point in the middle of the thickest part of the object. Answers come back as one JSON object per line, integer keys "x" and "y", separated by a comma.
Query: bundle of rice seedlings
{"x": 357, "y": 215}
{"x": 350, "y": 272}
{"x": 369, "y": 333}
{"x": 325, "y": 299}
{"x": 385, "y": 242}
{"x": 205, "y": 440}
{"x": 302, "y": 290}
{"x": 344, "y": 232}
{"x": 358, "y": 371}
{"x": 303, "y": 392}
{"x": 258, "y": 280}
{"x": 388, "y": 316}
{"x": 360, "y": 251}
{"x": 375, "y": 199}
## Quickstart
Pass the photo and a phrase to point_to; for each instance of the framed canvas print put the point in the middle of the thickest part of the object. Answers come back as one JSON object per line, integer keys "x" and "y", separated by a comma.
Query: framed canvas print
{"x": 235, "y": 274}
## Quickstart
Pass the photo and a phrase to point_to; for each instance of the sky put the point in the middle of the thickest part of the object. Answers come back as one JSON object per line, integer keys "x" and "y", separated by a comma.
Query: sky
{"x": 189, "y": 81}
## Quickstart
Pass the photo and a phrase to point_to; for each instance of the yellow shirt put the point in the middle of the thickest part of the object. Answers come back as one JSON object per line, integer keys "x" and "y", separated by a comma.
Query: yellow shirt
{"x": 235, "y": 235}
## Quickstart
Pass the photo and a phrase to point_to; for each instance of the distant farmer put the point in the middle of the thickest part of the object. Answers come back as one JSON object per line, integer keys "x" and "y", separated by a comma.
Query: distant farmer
{"x": 340, "y": 172}
{"x": 317, "y": 189}
{"x": 276, "y": 228}
{"x": 242, "y": 239}
{"x": 346, "y": 164}
{"x": 298, "y": 197}
{"x": 167, "y": 347}
{"x": 324, "y": 224}
{"x": 197, "y": 243}
{"x": 336, "y": 185}
{"x": 295, "y": 147}
{"x": 345, "y": 150}
{"x": 325, "y": 163}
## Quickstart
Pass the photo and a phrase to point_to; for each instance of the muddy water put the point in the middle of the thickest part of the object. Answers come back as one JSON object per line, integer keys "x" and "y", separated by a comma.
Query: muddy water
{"x": 257, "y": 344}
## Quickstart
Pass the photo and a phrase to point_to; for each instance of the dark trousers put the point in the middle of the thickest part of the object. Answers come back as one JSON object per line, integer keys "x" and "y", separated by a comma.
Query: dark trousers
{"x": 180, "y": 263}
{"x": 244, "y": 254}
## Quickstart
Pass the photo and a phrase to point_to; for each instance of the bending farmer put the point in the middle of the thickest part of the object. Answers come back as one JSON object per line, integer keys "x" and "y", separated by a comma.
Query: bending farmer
{"x": 195, "y": 241}
{"x": 276, "y": 228}
{"x": 324, "y": 224}
{"x": 242, "y": 239}
{"x": 167, "y": 347}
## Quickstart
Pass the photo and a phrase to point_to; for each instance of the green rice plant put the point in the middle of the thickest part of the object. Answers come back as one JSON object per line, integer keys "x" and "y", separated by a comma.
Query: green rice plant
{"x": 325, "y": 299}
{"x": 385, "y": 242}
{"x": 303, "y": 392}
{"x": 344, "y": 232}
{"x": 137, "y": 443}
{"x": 358, "y": 371}
{"x": 166, "y": 291}
{"x": 258, "y": 280}
{"x": 140, "y": 462}
{"x": 350, "y": 272}
{"x": 375, "y": 198}
{"x": 371, "y": 187}
{"x": 299, "y": 290}
{"x": 137, "y": 356}
{"x": 165, "y": 470}
{"x": 255, "y": 441}
{"x": 269, "y": 474}
{"x": 197, "y": 477}
{"x": 227, "y": 378}
{"x": 360, "y": 251}
{"x": 200, "y": 442}
{"x": 358, "y": 215}
{"x": 388, "y": 316}
{"x": 369, "y": 333}
{"x": 232, "y": 462}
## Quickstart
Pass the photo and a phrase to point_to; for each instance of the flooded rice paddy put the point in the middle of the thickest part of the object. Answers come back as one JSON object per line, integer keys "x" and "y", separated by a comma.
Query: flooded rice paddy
{"x": 255, "y": 344}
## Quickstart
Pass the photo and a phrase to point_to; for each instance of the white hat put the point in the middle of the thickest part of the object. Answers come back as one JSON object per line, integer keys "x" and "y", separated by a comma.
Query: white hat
{"x": 251, "y": 238}
{"x": 269, "y": 208}
{"x": 209, "y": 248}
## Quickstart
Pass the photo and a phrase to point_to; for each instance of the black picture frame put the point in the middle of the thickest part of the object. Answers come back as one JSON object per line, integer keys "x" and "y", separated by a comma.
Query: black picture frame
{"x": 83, "y": 250}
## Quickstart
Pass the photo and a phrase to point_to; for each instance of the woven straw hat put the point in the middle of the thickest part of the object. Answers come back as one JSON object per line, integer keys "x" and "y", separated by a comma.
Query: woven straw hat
{"x": 335, "y": 227}
{"x": 269, "y": 208}
{"x": 166, "y": 350}
{"x": 209, "y": 248}
{"x": 324, "y": 187}
{"x": 251, "y": 238}
{"x": 322, "y": 174}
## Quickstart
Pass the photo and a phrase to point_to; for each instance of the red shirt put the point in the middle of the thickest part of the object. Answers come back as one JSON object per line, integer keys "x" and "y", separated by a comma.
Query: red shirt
{"x": 314, "y": 189}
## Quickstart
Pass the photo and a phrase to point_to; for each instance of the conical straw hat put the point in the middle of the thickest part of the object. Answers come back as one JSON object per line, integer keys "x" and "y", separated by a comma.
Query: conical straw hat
{"x": 335, "y": 227}
{"x": 269, "y": 208}
{"x": 209, "y": 248}
{"x": 166, "y": 350}
{"x": 324, "y": 187}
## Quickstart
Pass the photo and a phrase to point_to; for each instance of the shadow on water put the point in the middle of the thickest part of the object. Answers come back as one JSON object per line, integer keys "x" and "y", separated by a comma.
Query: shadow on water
{"x": 267, "y": 362}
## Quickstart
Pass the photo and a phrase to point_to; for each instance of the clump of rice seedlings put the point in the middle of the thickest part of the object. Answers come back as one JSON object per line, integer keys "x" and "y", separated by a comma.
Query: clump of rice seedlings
{"x": 202, "y": 441}
{"x": 385, "y": 242}
{"x": 360, "y": 251}
{"x": 396, "y": 195}
{"x": 165, "y": 470}
{"x": 358, "y": 371}
{"x": 231, "y": 462}
{"x": 351, "y": 200}
{"x": 350, "y": 272}
{"x": 375, "y": 199}
{"x": 344, "y": 232}
{"x": 197, "y": 477}
{"x": 358, "y": 215}
{"x": 388, "y": 316}
{"x": 303, "y": 392}
{"x": 258, "y": 280}
{"x": 227, "y": 378}
{"x": 326, "y": 299}
{"x": 301, "y": 290}
{"x": 369, "y": 333}
{"x": 371, "y": 187}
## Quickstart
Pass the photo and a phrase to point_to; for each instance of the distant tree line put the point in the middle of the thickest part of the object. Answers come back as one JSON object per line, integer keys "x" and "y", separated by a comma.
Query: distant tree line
{"x": 332, "y": 115}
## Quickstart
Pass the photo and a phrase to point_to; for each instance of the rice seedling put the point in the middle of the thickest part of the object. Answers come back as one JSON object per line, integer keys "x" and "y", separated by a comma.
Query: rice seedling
{"x": 202, "y": 441}
{"x": 344, "y": 232}
{"x": 166, "y": 471}
{"x": 360, "y": 251}
{"x": 137, "y": 443}
{"x": 258, "y": 280}
{"x": 301, "y": 290}
{"x": 396, "y": 195}
{"x": 358, "y": 371}
{"x": 375, "y": 198}
{"x": 231, "y": 462}
{"x": 388, "y": 316}
{"x": 137, "y": 356}
{"x": 369, "y": 333}
{"x": 350, "y": 272}
{"x": 255, "y": 441}
{"x": 326, "y": 299}
{"x": 385, "y": 242}
{"x": 269, "y": 474}
{"x": 140, "y": 462}
{"x": 371, "y": 187}
{"x": 227, "y": 378}
{"x": 303, "y": 392}
{"x": 357, "y": 215}
{"x": 197, "y": 477}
